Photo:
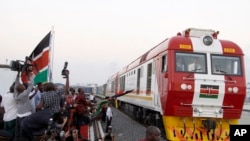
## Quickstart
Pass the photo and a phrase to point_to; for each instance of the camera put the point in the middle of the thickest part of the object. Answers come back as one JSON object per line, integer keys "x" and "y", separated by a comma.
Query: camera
{"x": 54, "y": 129}
{"x": 65, "y": 69}
{"x": 19, "y": 65}
{"x": 16, "y": 65}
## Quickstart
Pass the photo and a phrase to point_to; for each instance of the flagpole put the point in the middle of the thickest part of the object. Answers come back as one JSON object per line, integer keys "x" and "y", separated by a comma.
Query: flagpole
{"x": 52, "y": 54}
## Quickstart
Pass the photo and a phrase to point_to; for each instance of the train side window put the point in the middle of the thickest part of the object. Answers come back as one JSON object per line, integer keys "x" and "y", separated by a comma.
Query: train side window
{"x": 142, "y": 71}
{"x": 164, "y": 63}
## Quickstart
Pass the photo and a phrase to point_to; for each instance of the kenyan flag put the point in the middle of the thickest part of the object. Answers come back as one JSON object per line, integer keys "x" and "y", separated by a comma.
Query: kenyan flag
{"x": 209, "y": 91}
{"x": 40, "y": 58}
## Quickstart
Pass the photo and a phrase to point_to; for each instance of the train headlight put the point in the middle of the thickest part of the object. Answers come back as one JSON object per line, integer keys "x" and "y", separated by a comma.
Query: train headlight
{"x": 207, "y": 40}
{"x": 235, "y": 89}
{"x": 230, "y": 89}
{"x": 189, "y": 87}
{"x": 183, "y": 86}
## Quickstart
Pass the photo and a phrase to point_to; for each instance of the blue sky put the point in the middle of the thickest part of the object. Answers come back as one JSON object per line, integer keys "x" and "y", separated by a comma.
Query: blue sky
{"x": 99, "y": 37}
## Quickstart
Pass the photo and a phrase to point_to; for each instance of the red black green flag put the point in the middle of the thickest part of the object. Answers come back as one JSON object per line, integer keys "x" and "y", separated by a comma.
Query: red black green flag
{"x": 40, "y": 58}
{"x": 209, "y": 91}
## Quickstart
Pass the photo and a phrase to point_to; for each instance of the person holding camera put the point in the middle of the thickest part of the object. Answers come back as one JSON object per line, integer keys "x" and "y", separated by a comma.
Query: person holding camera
{"x": 49, "y": 107}
{"x": 23, "y": 103}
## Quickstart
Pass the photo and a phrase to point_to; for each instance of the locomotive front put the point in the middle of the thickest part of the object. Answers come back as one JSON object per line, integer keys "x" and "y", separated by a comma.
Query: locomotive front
{"x": 206, "y": 86}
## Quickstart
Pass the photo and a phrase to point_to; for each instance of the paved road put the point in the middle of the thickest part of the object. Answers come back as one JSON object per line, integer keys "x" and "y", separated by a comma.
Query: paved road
{"x": 124, "y": 128}
{"x": 245, "y": 118}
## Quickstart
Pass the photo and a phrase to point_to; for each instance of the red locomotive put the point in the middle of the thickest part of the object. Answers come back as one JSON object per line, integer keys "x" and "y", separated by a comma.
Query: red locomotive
{"x": 192, "y": 85}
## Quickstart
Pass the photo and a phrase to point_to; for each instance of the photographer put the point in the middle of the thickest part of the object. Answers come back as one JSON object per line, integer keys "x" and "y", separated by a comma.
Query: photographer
{"x": 49, "y": 107}
{"x": 23, "y": 103}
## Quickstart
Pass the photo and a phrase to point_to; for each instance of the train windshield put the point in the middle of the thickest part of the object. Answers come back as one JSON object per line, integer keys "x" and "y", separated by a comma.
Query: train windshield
{"x": 226, "y": 65}
{"x": 190, "y": 62}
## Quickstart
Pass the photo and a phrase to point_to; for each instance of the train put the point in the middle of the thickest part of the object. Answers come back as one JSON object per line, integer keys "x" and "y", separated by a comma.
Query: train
{"x": 191, "y": 85}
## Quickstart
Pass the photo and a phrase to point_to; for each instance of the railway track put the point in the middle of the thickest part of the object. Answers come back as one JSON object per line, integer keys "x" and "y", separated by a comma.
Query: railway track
{"x": 96, "y": 131}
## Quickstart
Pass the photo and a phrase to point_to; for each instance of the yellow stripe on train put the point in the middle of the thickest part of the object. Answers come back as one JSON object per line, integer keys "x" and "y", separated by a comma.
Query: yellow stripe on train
{"x": 192, "y": 129}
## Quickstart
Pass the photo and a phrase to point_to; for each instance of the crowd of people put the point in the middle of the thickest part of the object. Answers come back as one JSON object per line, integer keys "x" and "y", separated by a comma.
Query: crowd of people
{"x": 28, "y": 108}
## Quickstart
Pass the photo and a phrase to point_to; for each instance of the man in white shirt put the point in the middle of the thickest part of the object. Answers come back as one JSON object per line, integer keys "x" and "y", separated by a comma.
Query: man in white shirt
{"x": 109, "y": 115}
{"x": 92, "y": 98}
{"x": 9, "y": 105}
{"x": 195, "y": 66}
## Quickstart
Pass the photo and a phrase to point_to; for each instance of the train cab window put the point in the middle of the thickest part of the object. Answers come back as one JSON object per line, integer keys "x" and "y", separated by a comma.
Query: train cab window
{"x": 180, "y": 65}
{"x": 190, "y": 62}
{"x": 226, "y": 65}
{"x": 164, "y": 64}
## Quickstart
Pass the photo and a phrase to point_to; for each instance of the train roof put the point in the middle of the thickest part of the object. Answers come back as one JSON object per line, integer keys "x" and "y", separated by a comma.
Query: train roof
{"x": 175, "y": 42}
